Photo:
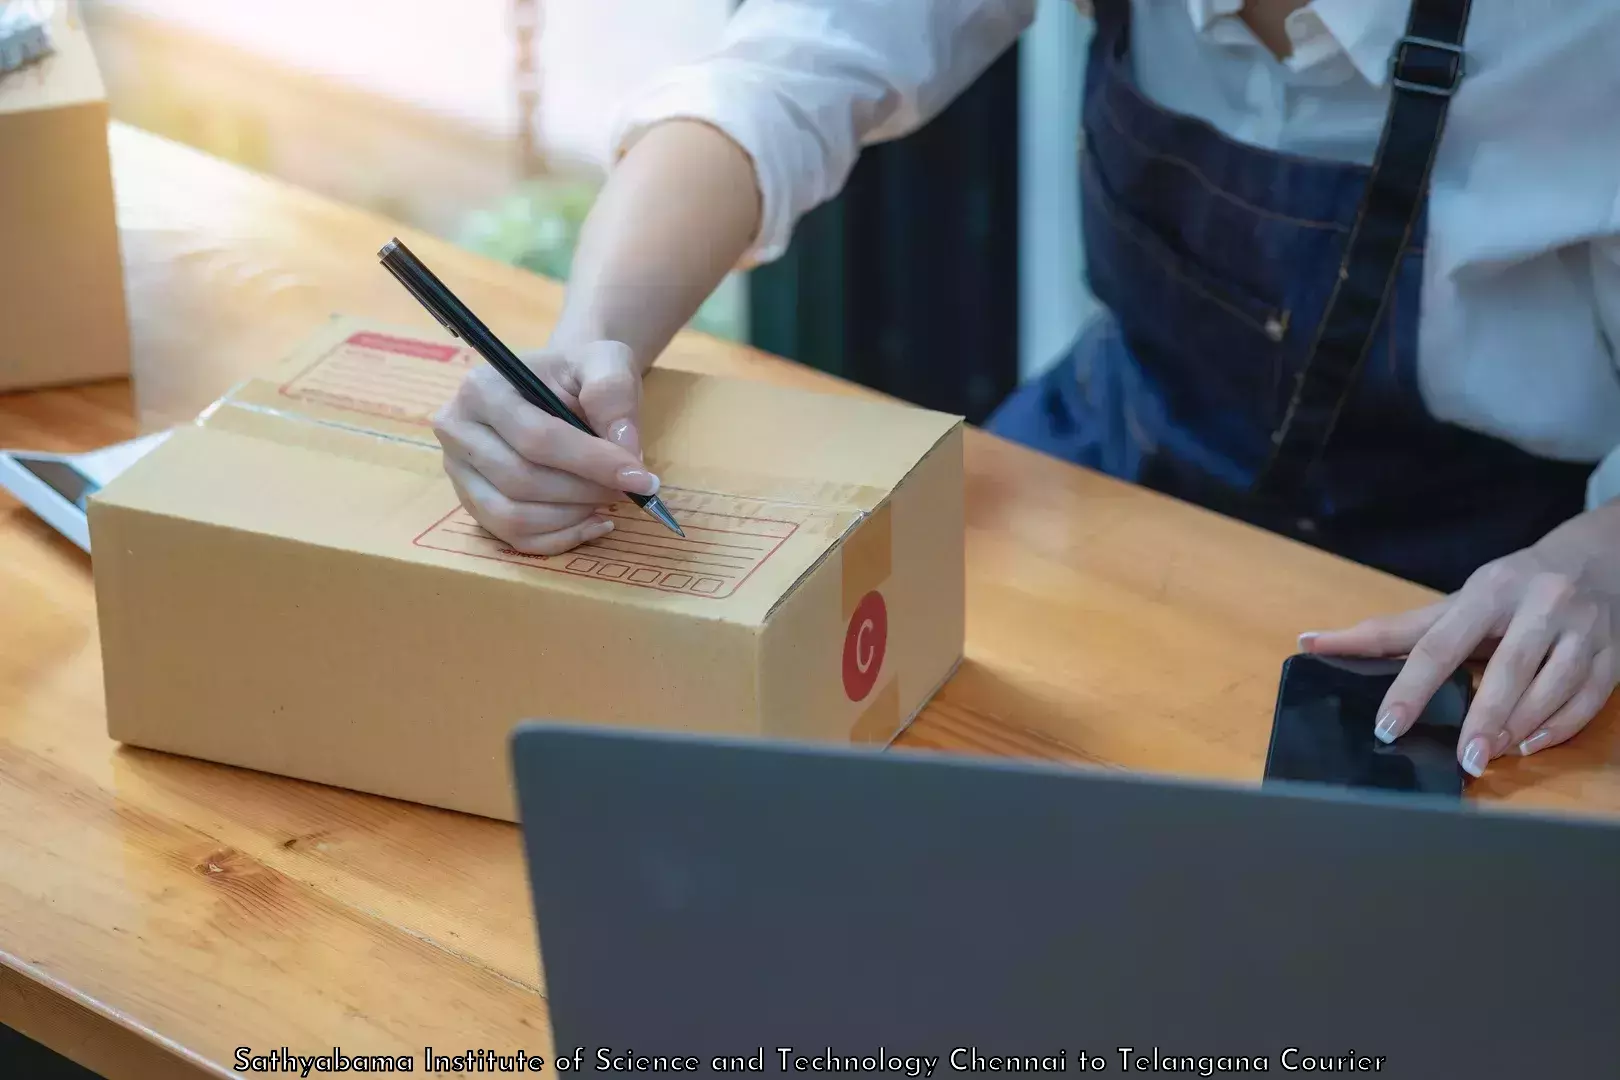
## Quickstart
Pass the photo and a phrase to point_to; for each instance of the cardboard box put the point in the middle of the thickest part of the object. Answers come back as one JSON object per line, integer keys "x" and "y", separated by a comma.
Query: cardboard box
{"x": 61, "y": 278}
{"x": 290, "y": 584}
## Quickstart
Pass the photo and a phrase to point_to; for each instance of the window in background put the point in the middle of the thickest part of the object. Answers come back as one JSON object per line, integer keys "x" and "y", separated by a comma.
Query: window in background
{"x": 1053, "y": 300}
{"x": 409, "y": 107}
{"x": 592, "y": 56}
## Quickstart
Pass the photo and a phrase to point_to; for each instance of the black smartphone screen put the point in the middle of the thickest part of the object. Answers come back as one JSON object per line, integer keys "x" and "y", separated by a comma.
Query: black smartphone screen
{"x": 1323, "y": 729}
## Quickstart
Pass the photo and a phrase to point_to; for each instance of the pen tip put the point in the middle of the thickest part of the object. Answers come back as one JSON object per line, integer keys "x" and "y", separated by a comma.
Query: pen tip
{"x": 388, "y": 248}
{"x": 659, "y": 511}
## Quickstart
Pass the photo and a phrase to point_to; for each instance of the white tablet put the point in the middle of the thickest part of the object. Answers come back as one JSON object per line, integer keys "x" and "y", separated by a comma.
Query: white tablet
{"x": 57, "y": 487}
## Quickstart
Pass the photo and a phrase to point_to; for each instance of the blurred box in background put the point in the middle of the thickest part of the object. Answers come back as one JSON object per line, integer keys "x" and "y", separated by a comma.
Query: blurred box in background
{"x": 24, "y": 36}
{"x": 62, "y": 314}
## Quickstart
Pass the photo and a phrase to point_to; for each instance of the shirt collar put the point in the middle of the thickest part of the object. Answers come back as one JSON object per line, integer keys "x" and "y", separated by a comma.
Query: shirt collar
{"x": 1206, "y": 13}
{"x": 1366, "y": 30}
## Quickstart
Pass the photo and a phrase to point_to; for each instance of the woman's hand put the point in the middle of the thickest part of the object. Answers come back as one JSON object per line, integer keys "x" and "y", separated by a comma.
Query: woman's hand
{"x": 1547, "y": 619}
{"x": 537, "y": 482}
{"x": 677, "y": 213}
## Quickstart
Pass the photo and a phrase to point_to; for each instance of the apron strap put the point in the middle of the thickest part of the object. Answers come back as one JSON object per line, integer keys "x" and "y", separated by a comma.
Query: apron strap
{"x": 1426, "y": 68}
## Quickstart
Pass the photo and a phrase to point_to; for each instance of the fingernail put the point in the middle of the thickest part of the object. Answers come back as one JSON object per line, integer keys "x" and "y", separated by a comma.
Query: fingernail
{"x": 1474, "y": 758}
{"x": 1387, "y": 725}
{"x": 599, "y": 528}
{"x": 1534, "y": 743}
{"x": 1306, "y": 640}
{"x": 623, "y": 432}
{"x": 638, "y": 481}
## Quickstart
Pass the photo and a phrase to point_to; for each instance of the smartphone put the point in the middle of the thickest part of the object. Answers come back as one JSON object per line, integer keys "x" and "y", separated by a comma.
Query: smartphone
{"x": 1322, "y": 731}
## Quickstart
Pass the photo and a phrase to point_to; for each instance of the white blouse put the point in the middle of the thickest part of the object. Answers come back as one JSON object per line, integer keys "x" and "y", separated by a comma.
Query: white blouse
{"x": 1521, "y": 295}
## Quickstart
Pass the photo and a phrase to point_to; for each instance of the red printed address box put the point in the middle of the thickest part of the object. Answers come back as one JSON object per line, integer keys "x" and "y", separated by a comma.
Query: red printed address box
{"x": 290, "y": 585}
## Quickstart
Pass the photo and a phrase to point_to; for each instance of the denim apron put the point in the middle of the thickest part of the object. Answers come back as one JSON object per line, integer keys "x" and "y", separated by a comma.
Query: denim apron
{"x": 1259, "y": 351}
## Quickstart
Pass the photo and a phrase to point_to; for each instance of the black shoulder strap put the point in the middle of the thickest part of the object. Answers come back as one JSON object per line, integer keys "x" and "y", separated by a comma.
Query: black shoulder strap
{"x": 1425, "y": 70}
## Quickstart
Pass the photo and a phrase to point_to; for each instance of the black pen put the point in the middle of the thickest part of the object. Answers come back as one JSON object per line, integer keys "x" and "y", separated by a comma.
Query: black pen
{"x": 457, "y": 318}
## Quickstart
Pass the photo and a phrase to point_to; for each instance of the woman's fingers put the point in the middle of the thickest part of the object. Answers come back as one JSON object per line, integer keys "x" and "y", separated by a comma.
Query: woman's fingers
{"x": 1579, "y": 710}
{"x": 1386, "y": 635}
{"x": 531, "y": 528}
{"x": 1543, "y": 611}
{"x": 1467, "y": 620}
{"x": 519, "y": 479}
{"x": 535, "y": 480}
{"x": 1567, "y": 668}
{"x": 555, "y": 543}
{"x": 1552, "y": 665}
{"x": 542, "y": 439}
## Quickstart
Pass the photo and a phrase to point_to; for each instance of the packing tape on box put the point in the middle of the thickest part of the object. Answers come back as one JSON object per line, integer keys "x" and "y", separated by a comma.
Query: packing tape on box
{"x": 814, "y": 507}
{"x": 879, "y": 722}
{"x": 300, "y": 431}
{"x": 774, "y": 489}
{"x": 867, "y": 557}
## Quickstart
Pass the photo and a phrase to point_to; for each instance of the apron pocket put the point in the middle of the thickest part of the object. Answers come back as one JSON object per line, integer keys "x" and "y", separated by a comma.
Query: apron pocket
{"x": 1178, "y": 269}
{"x": 1214, "y": 349}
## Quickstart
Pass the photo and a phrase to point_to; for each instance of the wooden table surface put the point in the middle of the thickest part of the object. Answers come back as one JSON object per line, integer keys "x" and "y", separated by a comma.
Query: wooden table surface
{"x": 157, "y": 913}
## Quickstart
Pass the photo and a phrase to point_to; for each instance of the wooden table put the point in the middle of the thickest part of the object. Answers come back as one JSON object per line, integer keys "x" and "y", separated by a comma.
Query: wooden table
{"x": 157, "y": 913}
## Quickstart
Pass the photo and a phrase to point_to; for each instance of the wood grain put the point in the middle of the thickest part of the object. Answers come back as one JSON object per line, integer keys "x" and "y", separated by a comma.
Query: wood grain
{"x": 156, "y": 913}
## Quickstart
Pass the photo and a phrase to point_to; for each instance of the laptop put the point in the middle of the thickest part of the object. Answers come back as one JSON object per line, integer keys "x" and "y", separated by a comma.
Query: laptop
{"x": 813, "y": 909}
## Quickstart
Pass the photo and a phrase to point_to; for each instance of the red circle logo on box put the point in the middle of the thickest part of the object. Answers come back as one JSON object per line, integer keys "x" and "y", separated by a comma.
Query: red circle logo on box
{"x": 865, "y": 642}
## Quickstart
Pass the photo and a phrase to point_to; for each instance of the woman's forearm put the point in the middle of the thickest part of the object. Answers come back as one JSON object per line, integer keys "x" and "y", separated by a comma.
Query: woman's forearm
{"x": 677, "y": 213}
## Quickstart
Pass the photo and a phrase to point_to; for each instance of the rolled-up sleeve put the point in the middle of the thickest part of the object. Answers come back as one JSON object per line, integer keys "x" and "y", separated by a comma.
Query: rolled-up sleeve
{"x": 1604, "y": 486}
{"x": 803, "y": 85}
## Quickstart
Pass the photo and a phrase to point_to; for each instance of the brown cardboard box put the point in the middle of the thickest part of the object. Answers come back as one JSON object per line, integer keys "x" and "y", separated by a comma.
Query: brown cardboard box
{"x": 289, "y": 584}
{"x": 61, "y": 279}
